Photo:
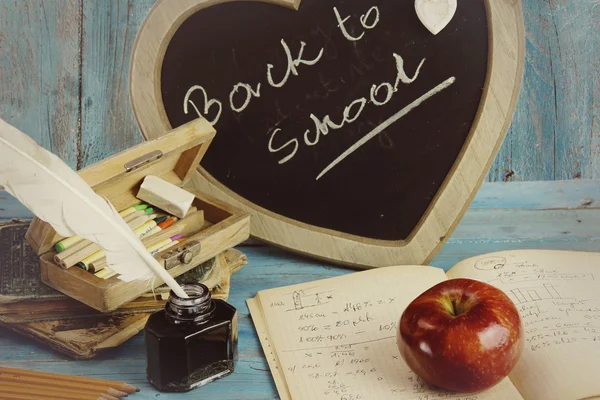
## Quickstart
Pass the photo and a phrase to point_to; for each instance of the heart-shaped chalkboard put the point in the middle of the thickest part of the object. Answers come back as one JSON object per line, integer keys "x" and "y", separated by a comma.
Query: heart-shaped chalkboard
{"x": 345, "y": 127}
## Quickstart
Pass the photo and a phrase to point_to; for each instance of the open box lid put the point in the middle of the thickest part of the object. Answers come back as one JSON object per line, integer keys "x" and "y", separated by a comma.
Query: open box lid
{"x": 172, "y": 157}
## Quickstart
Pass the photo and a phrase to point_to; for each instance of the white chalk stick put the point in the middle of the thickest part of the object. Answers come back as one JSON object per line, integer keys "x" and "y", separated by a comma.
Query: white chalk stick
{"x": 165, "y": 196}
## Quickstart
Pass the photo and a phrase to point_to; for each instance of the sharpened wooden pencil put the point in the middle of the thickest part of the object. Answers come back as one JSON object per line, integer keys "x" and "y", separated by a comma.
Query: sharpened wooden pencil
{"x": 46, "y": 382}
{"x": 21, "y": 396}
{"x": 58, "y": 378}
{"x": 24, "y": 393}
{"x": 29, "y": 387}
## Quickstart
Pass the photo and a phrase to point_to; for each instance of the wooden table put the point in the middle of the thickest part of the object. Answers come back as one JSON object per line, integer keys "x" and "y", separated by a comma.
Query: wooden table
{"x": 541, "y": 215}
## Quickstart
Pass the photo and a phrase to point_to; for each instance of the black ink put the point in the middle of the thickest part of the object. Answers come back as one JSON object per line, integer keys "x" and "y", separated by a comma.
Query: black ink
{"x": 192, "y": 342}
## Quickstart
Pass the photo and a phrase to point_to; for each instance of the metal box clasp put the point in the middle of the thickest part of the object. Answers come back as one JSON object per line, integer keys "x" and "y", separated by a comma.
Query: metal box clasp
{"x": 181, "y": 255}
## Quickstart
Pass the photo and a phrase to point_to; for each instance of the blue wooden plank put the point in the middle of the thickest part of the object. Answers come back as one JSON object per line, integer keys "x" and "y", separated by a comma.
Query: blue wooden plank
{"x": 109, "y": 31}
{"x": 528, "y": 151}
{"x": 547, "y": 225}
{"x": 39, "y": 71}
{"x": 538, "y": 195}
{"x": 500, "y": 169}
{"x": 543, "y": 195}
{"x": 575, "y": 69}
{"x": 10, "y": 208}
{"x": 534, "y": 126}
{"x": 457, "y": 250}
{"x": 555, "y": 130}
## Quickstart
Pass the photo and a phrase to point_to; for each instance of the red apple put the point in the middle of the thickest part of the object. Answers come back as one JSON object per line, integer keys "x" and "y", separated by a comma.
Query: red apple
{"x": 461, "y": 335}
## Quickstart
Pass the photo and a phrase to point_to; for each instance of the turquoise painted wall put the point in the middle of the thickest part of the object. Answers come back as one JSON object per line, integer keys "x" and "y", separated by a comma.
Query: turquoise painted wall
{"x": 64, "y": 80}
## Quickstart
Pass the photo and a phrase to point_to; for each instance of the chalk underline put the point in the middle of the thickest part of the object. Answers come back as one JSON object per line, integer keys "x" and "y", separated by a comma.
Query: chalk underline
{"x": 394, "y": 118}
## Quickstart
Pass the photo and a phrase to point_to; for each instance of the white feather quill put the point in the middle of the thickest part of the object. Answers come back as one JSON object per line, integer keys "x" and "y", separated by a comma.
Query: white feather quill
{"x": 56, "y": 194}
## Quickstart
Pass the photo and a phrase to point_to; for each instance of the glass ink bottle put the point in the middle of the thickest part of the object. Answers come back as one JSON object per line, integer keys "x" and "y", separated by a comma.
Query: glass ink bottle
{"x": 192, "y": 342}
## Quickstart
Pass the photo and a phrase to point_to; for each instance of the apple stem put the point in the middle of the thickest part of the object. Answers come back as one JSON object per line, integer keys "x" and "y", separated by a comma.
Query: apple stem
{"x": 454, "y": 307}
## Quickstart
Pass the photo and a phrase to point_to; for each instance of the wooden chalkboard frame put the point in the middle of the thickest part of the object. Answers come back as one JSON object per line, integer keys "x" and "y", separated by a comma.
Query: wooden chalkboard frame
{"x": 500, "y": 95}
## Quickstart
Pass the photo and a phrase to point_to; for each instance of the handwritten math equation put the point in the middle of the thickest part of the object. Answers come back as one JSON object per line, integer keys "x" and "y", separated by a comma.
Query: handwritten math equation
{"x": 555, "y": 313}
{"x": 339, "y": 346}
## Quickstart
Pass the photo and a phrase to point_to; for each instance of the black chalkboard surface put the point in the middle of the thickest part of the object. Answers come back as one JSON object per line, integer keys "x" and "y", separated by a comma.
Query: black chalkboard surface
{"x": 346, "y": 128}
{"x": 289, "y": 92}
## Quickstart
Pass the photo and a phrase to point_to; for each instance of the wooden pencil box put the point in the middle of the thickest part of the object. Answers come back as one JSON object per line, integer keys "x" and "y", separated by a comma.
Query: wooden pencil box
{"x": 174, "y": 158}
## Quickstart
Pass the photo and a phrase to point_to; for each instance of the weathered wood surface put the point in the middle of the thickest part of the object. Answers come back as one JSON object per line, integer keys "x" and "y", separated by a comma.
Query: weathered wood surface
{"x": 64, "y": 71}
{"x": 541, "y": 215}
{"x": 555, "y": 132}
{"x": 40, "y": 73}
{"x": 107, "y": 122}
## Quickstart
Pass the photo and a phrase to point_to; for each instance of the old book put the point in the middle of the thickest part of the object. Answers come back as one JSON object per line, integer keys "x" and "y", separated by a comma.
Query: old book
{"x": 32, "y": 309}
{"x": 336, "y": 338}
{"x": 80, "y": 332}
{"x": 20, "y": 267}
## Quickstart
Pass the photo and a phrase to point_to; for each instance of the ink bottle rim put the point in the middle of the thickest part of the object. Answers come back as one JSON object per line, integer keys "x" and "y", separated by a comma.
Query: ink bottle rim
{"x": 198, "y": 309}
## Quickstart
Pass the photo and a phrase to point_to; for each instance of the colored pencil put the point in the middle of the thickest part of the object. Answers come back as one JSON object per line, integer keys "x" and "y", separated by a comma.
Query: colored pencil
{"x": 97, "y": 267}
{"x": 133, "y": 216}
{"x": 73, "y": 240}
{"x": 67, "y": 260}
{"x": 107, "y": 273}
{"x": 80, "y": 251}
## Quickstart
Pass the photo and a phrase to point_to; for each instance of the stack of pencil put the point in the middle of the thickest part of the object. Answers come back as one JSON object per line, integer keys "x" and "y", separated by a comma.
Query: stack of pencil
{"x": 18, "y": 384}
{"x": 157, "y": 231}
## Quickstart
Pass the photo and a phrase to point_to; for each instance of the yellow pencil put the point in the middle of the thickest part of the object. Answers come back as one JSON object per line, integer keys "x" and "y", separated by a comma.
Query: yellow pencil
{"x": 70, "y": 241}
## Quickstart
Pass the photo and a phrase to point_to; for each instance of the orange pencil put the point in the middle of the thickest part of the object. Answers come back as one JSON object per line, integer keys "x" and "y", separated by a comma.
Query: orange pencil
{"x": 164, "y": 225}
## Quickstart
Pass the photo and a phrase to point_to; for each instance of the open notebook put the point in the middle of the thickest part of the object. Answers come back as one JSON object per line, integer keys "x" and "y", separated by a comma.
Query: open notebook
{"x": 336, "y": 338}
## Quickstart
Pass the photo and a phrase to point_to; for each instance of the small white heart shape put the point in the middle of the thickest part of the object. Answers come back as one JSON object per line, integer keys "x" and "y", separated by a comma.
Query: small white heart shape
{"x": 435, "y": 14}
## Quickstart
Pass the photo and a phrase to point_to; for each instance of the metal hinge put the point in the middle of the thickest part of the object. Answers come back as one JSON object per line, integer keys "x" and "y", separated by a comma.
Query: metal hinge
{"x": 181, "y": 255}
{"x": 143, "y": 160}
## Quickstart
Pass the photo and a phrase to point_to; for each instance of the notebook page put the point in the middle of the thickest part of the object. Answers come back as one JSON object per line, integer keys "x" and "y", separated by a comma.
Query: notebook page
{"x": 335, "y": 339}
{"x": 265, "y": 342}
{"x": 557, "y": 294}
